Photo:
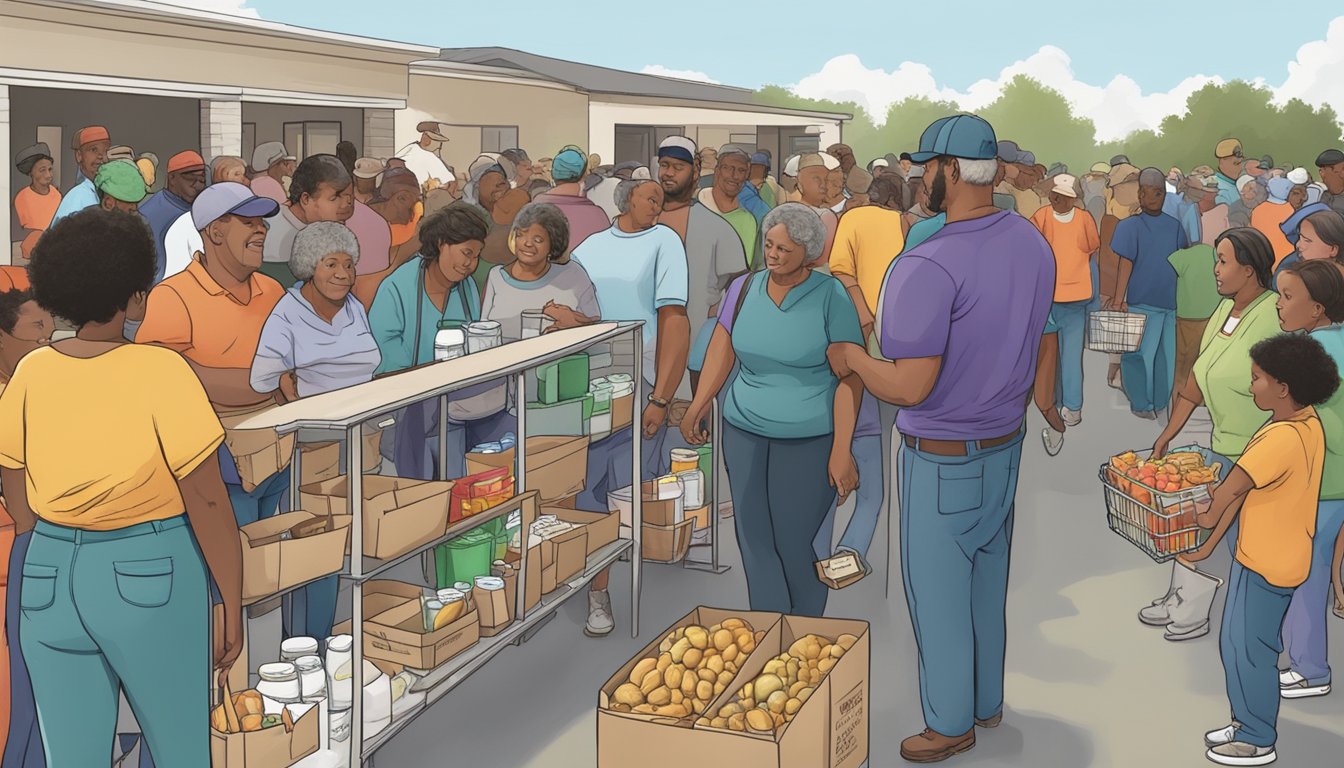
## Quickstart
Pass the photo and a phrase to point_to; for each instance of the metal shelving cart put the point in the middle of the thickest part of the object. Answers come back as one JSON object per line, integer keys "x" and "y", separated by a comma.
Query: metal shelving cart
{"x": 339, "y": 416}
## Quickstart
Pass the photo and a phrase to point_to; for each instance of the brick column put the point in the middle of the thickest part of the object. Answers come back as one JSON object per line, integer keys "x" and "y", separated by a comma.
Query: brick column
{"x": 221, "y": 128}
{"x": 379, "y": 141}
{"x": 5, "y": 233}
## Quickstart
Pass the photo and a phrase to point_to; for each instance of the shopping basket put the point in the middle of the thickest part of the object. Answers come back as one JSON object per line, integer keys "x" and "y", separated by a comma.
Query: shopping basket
{"x": 1160, "y": 523}
{"x": 1115, "y": 332}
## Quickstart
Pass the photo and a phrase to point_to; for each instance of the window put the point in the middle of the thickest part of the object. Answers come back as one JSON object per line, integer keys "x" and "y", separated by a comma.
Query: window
{"x": 800, "y": 144}
{"x": 746, "y": 141}
{"x": 497, "y": 138}
{"x": 312, "y": 138}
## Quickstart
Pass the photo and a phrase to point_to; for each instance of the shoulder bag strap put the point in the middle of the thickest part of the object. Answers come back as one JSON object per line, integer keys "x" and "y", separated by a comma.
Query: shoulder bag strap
{"x": 742, "y": 296}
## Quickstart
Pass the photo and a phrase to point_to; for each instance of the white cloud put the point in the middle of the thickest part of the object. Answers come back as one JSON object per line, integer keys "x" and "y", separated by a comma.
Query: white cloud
{"x": 1117, "y": 108}
{"x": 1313, "y": 76}
{"x": 680, "y": 74}
{"x": 231, "y": 7}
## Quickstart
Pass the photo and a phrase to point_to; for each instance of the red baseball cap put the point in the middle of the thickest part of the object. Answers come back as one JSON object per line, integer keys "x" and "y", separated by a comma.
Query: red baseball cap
{"x": 185, "y": 161}
{"x": 89, "y": 135}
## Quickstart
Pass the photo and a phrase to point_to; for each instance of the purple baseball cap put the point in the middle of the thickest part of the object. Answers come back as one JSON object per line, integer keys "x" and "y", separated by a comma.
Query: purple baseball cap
{"x": 226, "y": 198}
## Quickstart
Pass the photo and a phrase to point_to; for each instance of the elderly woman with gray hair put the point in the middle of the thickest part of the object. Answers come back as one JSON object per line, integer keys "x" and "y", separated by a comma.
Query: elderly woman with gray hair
{"x": 316, "y": 340}
{"x": 541, "y": 277}
{"x": 789, "y": 422}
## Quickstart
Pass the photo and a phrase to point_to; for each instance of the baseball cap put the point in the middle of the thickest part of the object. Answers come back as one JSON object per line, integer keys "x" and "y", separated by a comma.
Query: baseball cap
{"x": 89, "y": 135}
{"x": 760, "y": 158}
{"x": 1065, "y": 185}
{"x": 120, "y": 179}
{"x": 228, "y": 197}
{"x": 641, "y": 173}
{"x": 733, "y": 149}
{"x": 1227, "y": 148}
{"x": 433, "y": 128}
{"x": 268, "y": 154}
{"x": 1299, "y": 176}
{"x": 1008, "y": 151}
{"x": 1243, "y": 182}
{"x": 569, "y": 164}
{"x": 811, "y": 160}
{"x": 881, "y": 162}
{"x": 186, "y": 161}
{"x": 1100, "y": 168}
{"x": 1120, "y": 160}
{"x": 367, "y": 168}
{"x": 965, "y": 136}
{"x": 791, "y": 165}
{"x": 1056, "y": 169}
{"x": 1329, "y": 157}
{"x": 678, "y": 148}
{"x": 906, "y": 156}
{"x": 121, "y": 153}
{"x": 1122, "y": 173}
{"x": 28, "y": 157}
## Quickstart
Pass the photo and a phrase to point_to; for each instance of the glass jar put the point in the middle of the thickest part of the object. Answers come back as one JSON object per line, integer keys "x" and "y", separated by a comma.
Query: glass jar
{"x": 684, "y": 460}
{"x": 489, "y": 583}
{"x": 339, "y": 661}
{"x": 312, "y": 679}
{"x": 296, "y": 648}
{"x": 482, "y": 335}
{"x": 280, "y": 682}
{"x": 450, "y": 341}
{"x": 534, "y": 321}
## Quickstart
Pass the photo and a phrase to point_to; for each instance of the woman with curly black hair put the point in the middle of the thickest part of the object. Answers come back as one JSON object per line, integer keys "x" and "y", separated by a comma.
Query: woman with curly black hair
{"x": 1272, "y": 491}
{"x": 129, "y": 515}
{"x": 542, "y": 276}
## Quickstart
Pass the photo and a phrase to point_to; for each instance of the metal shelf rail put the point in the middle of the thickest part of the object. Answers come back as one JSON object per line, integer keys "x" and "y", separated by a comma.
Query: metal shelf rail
{"x": 348, "y": 409}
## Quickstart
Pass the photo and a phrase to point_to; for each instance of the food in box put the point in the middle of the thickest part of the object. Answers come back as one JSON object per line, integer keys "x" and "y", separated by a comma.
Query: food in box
{"x": 477, "y": 493}
{"x": 289, "y": 549}
{"x": 769, "y": 702}
{"x": 400, "y": 514}
{"x": 557, "y": 465}
{"x": 274, "y": 737}
{"x": 694, "y": 665}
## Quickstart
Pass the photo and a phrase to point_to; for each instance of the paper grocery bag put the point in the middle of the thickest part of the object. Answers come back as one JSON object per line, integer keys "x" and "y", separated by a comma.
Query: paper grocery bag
{"x": 258, "y": 453}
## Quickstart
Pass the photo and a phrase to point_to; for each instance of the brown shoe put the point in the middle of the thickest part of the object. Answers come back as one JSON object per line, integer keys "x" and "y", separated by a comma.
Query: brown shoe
{"x": 990, "y": 722}
{"x": 932, "y": 747}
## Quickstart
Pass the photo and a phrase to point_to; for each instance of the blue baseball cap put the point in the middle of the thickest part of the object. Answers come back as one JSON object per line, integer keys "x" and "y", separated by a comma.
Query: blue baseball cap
{"x": 965, "y": 136}
{"x": 678, "y": 148}
{"x": 568, "y": 164}
{"x": 226, "y": 198}
{"x": 760, "y": 158}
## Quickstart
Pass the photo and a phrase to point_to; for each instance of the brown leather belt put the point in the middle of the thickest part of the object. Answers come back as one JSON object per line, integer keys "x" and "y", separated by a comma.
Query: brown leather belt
{"x": 956, "y": 447}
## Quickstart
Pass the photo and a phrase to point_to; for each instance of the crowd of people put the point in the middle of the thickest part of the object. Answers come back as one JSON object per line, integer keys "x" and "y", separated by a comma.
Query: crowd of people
{"x": 954, "y": 282}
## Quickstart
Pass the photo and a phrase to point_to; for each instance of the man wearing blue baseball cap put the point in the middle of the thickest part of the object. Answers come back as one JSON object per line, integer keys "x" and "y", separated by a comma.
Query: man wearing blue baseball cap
{"x": 584, "y": 216}
{"x": 960, "y": 322}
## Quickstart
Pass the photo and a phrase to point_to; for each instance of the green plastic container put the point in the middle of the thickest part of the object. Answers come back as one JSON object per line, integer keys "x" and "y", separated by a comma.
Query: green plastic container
{"x": 464, "y": 558}
{"x": 565, "y": 379}
{"x": 706, "y": 452}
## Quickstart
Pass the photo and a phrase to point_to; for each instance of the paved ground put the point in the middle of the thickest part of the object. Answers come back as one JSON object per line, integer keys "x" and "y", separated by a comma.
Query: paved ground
{"x": 1087, "y": 684}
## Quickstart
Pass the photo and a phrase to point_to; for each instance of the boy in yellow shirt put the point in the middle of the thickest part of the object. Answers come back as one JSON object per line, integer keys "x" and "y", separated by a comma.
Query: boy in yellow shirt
{"x": 1275, "y": 484}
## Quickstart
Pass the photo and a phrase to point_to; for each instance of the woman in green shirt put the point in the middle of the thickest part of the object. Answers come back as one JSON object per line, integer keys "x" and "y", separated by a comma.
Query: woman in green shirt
{"x": 1243, "y": 270}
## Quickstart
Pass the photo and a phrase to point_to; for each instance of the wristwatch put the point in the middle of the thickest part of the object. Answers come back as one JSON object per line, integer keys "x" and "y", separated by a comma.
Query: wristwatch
{"x": 655, "y": 401}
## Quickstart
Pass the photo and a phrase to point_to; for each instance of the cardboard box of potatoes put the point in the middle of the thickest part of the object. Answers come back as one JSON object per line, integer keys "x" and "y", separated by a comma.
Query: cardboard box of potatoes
{"x": 753, "y": 689}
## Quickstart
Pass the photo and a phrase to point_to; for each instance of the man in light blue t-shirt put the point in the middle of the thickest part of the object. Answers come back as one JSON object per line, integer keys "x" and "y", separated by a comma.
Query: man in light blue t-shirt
{"x": 639, "y": 270}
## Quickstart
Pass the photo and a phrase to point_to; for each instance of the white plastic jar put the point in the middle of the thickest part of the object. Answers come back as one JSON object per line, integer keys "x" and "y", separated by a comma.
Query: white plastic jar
{"x": 279, "y": 682}
{"x": 449, "y": 342}
{"x": 312, "y": 679}
{"x": 296, "y": 648}
{"x": 340, "y": 691}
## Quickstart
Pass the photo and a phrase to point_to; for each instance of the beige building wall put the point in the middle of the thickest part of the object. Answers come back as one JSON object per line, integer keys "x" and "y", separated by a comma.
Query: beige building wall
{"x": 547, "y": 117}
{"x": 709, "y": 124}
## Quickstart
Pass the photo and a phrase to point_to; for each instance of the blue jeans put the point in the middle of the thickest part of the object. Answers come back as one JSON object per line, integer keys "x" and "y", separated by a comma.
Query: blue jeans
{"x": 1252, "y": 620}
{"x": 1304, "y": 628}
{"x": 416, "y": 439}
{"x": 104, "y": 611}
{"x": 858, "y": 535}
{"x": 609, "y": 465}
{"x": 781, "y": 494}
{"x": 23, "y": 746}
{"x": 1071, "y": 317}
{"x": 956, "y": 532}
{"x": 1094, "y": 303}
{"x": 1148, "y": 373}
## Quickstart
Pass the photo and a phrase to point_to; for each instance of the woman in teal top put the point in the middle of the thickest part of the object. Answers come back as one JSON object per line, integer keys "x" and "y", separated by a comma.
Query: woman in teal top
{"x": 1243, "y": 270}
{"x": 789, "y": 422}
{"x": 405, "y": 317}
{"x": 1312, "y": 301}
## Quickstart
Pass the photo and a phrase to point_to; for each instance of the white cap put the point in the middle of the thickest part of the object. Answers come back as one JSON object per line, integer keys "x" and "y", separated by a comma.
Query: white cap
{"x": 881, "y": 162}
{"x": 1245, "y": 180}
{"x": 642, "y": 172}
{"x": 830, "y": 162}
{"x": 791, "y": 166}
{"x": 1299, "y": 176}
{"x": 678, "y": 147}
{"x": 1064, "y": 185}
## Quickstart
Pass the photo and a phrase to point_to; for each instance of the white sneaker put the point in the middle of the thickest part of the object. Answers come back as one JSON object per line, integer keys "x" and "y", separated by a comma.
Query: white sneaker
{"x": 600, "y": 621}
{"x": 1288, "y": 678}
{"x": 1295, "y": 686}
{"x": 1053, "y": 441}
{"x": 1071, "y": 418}
{"x": 1240, "y": 753}
{"x": 1221, "y": 736}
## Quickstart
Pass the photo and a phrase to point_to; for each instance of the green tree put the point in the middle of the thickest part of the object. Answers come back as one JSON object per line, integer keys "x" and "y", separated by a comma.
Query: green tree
{"x": 1041, "y": 120}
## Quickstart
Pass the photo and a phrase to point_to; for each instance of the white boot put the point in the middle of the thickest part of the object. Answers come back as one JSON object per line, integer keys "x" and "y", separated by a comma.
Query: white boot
{"x": 1194, "y": 601}
{"x": 600, "y": 621}
{"x": 1158, "y": 612}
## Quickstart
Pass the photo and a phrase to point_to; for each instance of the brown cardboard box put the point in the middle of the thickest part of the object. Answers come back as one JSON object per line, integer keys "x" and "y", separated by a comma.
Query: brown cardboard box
{"x": 602, "y": 528}
{"x": 566, "y": 554}
{"x": 556, "y": 466}
{"x": 399, "y": 514}
{"x": 830, "y": 731}
{"x": 622, "y": 412}
{"x": 269, "y": 748}
{"x": 493, "y": 607}
{"x": 258, "y": 453}
{"x": 398, "y": 635}
{"x": 667, "y": 543}
{"x": 322, "y": 461}
{"x": 379, "y": 596}
{"x": 540, "y": 579}
{"x": 846, "y": 560}
{"x": 569, "y": 502}
{"x": 657, "y": 512}
{"x": 271, "y": 565}
{"x": 700, "y": 515}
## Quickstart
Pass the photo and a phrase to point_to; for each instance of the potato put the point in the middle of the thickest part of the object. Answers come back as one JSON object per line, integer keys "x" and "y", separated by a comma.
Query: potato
{"x": 776, "y": 701}
{"x": 620, "y": 707}
{"x": 733, "y": 624}
{"x": 670, "y": 710}
{"x": 666, "y": 645}
{"x": 677, "y": 696}
{"x": 774, "y": 667}
{"x": 730, "y": 709}
{"x": 692, "y": 658}
{"x": 826, "y": 665}
{"x": 813, "y": 650}
{"x": 760, "y": 720}
{"x": 672, "y": 677}
{"x": 747, "y": 645}
{"x": 704, "y": 690}
{"x": 218, "y": 720}
{"x": 837, "y": 651}
{"x": 688, "y": 684}
{"x": 795, "y": 688}
{"x": 250, "y": 723}
{"x": 715, "y": 665}
{"x": 792, "y": 706}
{"x": 707, "y": 675}
{"x": 660, "y": 696}
{"x": 737, "y": 722}
{"x": 629, "y": 695}
{"x": 719, "y": 688}
{"x": 698, "y": 706}
{"x": 643, "y": 709}
{"x": 766, "y": 685}
{"x": 722, "y": 639}
{"x": 730, "y": 653}
{"x": 805, "y": 694}
{"x": 748, "y": 691}
{"x": 702, "y": 722}
{"x": 644, "y": 667}
{"x": 799, "y": 648}
{"x": 679, "y": 650}
{"x": 780, "y": 720}
{"x": 731, "y": 667}
{"x": 651, "y": 681}
{"x": 719, "y": 722}
{"x": 725, "y": 677}
{"x": 846, "y": 641}
{"x": 793, "y": 668}
{"x": 699, "y": 638}
{"x": 664, "y": 661}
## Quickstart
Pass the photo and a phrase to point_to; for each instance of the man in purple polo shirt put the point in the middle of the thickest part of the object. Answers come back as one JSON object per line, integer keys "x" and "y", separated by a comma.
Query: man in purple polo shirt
{"x": 960, "y": 323}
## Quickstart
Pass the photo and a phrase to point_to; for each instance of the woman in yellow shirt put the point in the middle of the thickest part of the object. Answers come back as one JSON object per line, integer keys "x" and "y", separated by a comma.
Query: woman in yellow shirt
{"x": 120, "y": 486}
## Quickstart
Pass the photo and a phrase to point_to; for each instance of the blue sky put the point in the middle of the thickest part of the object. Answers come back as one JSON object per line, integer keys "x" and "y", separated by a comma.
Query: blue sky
{"x": 1125, "y": 69}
